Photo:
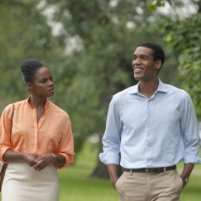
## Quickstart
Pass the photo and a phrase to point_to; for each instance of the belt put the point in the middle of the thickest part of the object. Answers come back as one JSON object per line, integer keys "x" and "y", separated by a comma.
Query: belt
{"x": 151, "y": 170}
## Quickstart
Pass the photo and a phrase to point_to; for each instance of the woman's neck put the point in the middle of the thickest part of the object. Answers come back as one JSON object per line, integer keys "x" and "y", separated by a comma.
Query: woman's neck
{"x": 36, "y": 101}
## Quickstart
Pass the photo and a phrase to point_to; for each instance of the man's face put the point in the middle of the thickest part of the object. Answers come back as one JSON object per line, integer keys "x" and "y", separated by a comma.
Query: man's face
{"x": 144, "y": 66}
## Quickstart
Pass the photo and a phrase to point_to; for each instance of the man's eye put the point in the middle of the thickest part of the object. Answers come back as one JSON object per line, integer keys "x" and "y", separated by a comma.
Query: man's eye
{"x": 141, "y": 57}
{"x": 144, "y": 57}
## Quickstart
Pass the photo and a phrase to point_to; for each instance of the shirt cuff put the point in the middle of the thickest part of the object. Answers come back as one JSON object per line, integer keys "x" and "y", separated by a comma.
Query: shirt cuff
{"x": 69, "y": 160}
{"x": 192, "y": 159}
{"x": 3, "y": 150}
{"x": 109, "y": 158}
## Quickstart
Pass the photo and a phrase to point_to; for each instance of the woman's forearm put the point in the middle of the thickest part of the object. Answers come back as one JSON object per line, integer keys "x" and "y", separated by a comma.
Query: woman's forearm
{"x": 10, "y": 155}
{"x": 58, "y": 160}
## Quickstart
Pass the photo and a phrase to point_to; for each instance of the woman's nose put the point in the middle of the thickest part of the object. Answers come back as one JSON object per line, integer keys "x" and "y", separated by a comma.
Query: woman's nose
{"x": 50, "y": 82}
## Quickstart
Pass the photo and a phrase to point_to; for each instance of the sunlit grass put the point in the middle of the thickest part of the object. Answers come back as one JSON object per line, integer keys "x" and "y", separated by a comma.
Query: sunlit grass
{"x": 76, "y": 184}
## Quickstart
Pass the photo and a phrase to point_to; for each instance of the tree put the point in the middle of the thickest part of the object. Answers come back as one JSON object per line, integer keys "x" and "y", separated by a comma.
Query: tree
{"x": 187, "y": 42}
{"x": 24, "y": 33}
{"x": 183, "y": 35}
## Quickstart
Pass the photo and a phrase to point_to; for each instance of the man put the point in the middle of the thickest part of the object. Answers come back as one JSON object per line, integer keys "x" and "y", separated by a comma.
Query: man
{"x": 150, "y": 128}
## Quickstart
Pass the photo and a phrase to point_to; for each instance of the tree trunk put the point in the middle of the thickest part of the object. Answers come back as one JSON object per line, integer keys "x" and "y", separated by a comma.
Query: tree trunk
{"x": 100, "y": 171}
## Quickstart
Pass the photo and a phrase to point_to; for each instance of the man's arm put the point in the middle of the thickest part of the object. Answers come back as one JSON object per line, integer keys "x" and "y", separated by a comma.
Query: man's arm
{"x": 186, "y": 173}
{"x": 113, "y": 173}
{"x": 112, "y": 136}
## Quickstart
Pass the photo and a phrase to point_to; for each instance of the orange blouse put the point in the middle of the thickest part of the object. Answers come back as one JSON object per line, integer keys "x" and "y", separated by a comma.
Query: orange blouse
{"x": 52, "y": 133}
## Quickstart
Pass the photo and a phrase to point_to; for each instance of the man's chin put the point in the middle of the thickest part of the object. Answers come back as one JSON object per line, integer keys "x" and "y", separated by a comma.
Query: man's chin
{"x": 137, "y": 77}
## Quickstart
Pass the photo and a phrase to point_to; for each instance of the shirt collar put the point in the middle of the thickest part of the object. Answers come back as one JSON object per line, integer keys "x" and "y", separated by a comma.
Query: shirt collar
{"x": 46, "y": 103}
{"x": 161, "y": 88}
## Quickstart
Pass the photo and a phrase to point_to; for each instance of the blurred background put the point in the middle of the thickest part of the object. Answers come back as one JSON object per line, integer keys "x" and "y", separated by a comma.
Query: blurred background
{"x": 88, "y": 45}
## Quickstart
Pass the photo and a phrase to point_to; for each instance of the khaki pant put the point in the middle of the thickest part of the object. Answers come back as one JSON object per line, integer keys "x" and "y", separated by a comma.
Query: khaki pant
{"x": 165, "y": 186}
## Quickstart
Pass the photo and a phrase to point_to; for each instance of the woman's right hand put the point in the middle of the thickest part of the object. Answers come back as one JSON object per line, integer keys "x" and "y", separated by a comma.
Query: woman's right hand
{"x": 30, "y": 159}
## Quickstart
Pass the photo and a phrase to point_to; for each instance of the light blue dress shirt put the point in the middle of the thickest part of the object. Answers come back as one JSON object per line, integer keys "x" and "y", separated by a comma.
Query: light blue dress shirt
{"x": 151, "y": 132}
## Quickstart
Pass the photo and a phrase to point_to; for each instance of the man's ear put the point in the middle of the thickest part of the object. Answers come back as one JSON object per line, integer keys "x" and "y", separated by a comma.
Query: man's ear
{"x": 158, "y": 64}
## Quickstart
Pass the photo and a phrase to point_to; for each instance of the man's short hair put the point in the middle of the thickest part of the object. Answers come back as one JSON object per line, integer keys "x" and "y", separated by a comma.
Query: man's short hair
{"x": 158, "y": 51}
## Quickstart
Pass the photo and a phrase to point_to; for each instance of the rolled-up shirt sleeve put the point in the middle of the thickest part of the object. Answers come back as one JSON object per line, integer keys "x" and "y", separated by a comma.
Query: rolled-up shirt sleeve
{"x": 5, "y": 130}
{"x": 66, "y": 145}
{"x": 112, "y": 135}
{"x": 190, "y": 132}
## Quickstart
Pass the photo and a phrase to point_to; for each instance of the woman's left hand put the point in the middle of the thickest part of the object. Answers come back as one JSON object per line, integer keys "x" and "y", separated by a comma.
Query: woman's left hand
{"x": 43, "y": 161}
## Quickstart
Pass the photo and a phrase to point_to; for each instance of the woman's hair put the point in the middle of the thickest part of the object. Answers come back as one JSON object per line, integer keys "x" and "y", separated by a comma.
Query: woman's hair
{"x": 29, "y": 68}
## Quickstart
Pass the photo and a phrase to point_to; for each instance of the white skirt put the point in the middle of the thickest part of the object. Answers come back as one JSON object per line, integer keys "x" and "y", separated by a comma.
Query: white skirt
{"x": 22, "y": 183}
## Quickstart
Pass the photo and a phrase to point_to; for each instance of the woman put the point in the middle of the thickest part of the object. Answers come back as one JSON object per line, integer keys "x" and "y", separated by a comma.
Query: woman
{"x": 35, "y": 140}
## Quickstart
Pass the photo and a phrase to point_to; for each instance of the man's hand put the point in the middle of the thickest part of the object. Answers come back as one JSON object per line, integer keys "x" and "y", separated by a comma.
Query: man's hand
{"x": 185, "y": 181}
{"x": 112, "y": 170}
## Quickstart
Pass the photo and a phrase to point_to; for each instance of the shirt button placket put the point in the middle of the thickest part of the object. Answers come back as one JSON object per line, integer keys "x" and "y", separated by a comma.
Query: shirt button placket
{"x": 148, "y": 131}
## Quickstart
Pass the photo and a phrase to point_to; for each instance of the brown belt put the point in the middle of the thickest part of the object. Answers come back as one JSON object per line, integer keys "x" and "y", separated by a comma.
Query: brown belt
{"x": 151, "y": 170}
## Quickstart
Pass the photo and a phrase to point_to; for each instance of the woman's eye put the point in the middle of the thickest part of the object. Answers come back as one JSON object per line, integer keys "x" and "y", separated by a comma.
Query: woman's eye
{"x": 44, "y": 80}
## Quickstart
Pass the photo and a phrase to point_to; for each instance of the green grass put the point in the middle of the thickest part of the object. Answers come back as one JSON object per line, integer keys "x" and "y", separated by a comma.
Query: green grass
{"x": 192, "y": 191}
{"x": 76, "y": 185}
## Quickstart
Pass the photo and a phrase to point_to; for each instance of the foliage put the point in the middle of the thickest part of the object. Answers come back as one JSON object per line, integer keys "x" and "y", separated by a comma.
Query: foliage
{"x": 184, "y": 37}
{"x": 24, "y": 33}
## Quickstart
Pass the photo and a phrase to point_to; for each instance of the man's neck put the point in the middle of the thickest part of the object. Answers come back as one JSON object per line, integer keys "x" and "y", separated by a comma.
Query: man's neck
{"x": 148, "y": 88}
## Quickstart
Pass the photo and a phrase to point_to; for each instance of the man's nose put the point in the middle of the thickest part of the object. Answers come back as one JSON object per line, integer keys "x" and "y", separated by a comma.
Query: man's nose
{"x": 136, "y": 61}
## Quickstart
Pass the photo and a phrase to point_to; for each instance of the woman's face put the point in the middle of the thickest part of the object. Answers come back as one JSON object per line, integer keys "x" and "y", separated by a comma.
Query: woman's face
{"x": 42, "y": 85}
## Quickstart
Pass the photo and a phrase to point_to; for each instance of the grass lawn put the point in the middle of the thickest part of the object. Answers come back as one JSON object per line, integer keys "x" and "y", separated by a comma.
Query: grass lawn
{"x": 77, "y": 186}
